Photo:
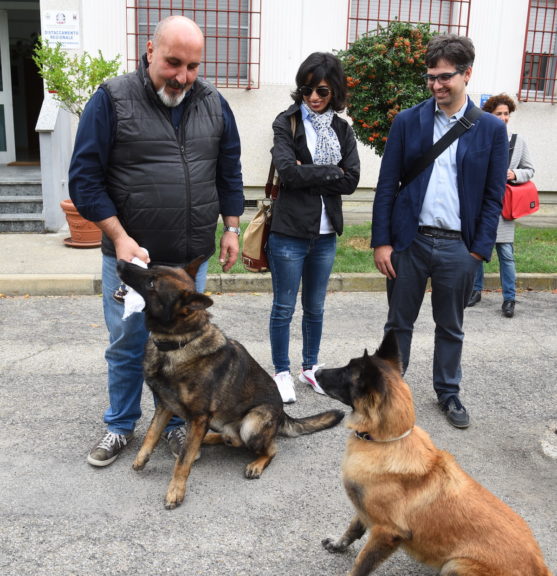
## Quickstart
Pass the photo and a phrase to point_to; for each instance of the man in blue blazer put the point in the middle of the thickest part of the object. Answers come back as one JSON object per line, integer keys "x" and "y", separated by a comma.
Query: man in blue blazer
{"x": 443, "y": 223}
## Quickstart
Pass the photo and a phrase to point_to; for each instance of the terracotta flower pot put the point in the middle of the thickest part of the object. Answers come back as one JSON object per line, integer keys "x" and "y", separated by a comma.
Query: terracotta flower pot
{"x": 84, "y": 234}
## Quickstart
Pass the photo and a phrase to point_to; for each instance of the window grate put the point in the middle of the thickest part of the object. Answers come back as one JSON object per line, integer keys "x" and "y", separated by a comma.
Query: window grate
{"x": 232, "y": 36}
{"x": 539, "y": 63}
{"x": 444, "y": 16}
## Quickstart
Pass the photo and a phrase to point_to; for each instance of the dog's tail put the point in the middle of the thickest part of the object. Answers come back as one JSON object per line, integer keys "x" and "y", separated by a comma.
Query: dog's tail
{"x": 293, "y": 427}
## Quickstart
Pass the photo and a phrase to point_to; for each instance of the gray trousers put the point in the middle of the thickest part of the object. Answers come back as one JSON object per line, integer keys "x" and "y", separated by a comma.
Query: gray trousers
{"x": 451, "y": 268}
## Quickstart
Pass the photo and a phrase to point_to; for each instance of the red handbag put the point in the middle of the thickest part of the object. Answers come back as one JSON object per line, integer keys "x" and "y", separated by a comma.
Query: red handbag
{"x": 520, "y": 200}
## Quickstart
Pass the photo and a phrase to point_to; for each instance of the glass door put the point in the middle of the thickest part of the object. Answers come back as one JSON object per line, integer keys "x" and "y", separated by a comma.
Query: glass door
{"x": 7, "y": 143}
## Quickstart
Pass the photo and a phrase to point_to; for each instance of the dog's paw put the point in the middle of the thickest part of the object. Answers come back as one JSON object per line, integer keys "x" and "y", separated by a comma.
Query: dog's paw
{"x": 331, "y": 546}
{"x": 169, "y": 505}
{"x": 253, "y": 472}
{"x": 174, "y": 496}
{"x": 139, "y": 463}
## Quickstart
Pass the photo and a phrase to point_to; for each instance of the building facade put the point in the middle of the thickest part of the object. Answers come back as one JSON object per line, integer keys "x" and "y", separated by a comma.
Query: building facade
{"x": 254, "y": 47}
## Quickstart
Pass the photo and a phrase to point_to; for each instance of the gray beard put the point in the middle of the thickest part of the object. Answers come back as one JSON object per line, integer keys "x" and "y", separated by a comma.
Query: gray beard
{"x": 170, "y": 101}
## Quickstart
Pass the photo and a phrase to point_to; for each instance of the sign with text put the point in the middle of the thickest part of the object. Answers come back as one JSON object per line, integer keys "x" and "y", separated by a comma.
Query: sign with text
{"x": 61, "y": 26}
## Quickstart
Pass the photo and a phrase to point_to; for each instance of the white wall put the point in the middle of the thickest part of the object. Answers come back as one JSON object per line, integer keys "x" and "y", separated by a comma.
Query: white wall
{"x": 498, "y": 29}
{"x": 103, "y": 26}
{"x": 292, "y": 29}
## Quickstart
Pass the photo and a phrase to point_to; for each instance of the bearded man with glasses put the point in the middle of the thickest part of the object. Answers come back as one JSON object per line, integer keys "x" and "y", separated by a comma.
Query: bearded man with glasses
{"x": 443, "y": 223}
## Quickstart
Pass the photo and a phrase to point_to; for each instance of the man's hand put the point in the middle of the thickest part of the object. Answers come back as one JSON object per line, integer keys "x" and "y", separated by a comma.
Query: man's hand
{"x": 229, "y": 250}
{"x": 126, "y": 247}
{"x": 382, "y": 258}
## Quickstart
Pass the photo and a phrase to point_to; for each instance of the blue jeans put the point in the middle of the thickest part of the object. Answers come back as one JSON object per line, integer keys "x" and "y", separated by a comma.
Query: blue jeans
{"x": 124, "y": 355}
{"x": 292, "y": 260}
{"x": 451, "y": 268}
{"x": 507, "y": 271}
{"x": 201, "y": 277}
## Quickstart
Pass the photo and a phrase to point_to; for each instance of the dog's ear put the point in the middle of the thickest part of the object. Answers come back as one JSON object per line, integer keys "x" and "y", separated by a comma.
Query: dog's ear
{"x": 196, "y": 301}
{"x": 372, "y": 375}
{"x": 389, "y": 350}
{"x": 194, "y": 265}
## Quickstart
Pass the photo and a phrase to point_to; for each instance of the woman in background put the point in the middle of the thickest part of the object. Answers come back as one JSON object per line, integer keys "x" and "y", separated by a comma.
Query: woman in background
{"x": 520, "y": 170}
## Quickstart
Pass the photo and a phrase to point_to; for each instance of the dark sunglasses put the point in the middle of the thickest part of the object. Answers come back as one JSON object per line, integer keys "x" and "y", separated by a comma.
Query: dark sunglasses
{"x": 322, "y": 91}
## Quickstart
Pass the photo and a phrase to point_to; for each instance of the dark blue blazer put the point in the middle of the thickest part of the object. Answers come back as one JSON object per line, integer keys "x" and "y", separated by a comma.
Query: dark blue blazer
{"x": 482, "y": 159}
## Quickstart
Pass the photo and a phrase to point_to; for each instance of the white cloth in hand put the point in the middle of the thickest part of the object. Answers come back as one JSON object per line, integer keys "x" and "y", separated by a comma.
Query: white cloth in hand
{"x": 133, "y": 301}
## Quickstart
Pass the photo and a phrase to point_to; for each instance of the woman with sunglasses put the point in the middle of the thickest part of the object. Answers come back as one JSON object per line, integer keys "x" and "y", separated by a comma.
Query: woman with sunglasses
{"x": 315, "y": 155}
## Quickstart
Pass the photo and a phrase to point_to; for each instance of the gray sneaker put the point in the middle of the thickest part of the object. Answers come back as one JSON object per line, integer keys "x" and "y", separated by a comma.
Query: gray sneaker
{"x": 176, "y": 438}
{"x": 108, "y": 448}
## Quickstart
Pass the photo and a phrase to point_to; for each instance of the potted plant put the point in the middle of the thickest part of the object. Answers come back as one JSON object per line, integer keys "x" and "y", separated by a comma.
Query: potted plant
{"x": 72, "y": 80}
{"x": 384, "y": 73}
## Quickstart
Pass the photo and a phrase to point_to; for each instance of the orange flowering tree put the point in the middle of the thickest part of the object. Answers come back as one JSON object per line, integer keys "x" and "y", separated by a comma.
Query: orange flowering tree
{"x": 384, "y": 74}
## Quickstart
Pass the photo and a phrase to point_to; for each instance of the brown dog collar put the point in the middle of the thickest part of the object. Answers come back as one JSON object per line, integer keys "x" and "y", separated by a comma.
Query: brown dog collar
{"x": 369, "y": 438}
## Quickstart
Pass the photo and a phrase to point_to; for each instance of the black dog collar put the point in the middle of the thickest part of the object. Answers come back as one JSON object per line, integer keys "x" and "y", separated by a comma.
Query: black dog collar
{"x": 167, "y": 345}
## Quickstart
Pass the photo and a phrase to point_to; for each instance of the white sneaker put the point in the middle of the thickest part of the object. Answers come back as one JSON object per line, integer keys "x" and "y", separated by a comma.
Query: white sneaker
{"x": 308, "y": 377}
{"x": 285, "y": 386}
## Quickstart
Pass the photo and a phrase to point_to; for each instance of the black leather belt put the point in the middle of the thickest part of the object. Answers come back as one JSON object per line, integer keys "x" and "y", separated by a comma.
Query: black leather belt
{"x": 439, "y": 233}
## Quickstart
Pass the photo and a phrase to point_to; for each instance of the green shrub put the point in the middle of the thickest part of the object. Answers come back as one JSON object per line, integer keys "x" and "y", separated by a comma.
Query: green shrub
{"x": 72, "y": 79}
{"x": 384, "y": 72}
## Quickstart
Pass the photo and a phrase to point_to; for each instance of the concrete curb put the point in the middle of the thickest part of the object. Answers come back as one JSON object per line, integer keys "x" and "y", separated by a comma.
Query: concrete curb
{"x": 90, "y": 284}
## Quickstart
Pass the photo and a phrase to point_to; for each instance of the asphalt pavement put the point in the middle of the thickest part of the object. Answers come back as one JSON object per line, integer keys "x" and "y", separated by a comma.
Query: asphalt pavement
{"x": 61, "y": 517}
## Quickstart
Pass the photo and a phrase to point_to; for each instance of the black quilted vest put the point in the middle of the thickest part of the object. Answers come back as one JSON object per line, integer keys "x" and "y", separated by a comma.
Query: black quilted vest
{"x": 163, "y": 184}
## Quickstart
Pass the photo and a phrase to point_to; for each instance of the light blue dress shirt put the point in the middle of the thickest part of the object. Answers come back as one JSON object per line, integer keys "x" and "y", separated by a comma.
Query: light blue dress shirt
{"x": 441, "y": 207}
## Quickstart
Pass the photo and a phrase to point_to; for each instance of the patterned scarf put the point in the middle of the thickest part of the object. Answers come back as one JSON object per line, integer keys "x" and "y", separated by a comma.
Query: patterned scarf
{"x": 327, "y": 148}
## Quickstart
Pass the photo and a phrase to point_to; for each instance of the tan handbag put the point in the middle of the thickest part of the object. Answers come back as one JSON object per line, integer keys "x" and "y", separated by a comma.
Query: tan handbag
{"x": 254, "y": 257}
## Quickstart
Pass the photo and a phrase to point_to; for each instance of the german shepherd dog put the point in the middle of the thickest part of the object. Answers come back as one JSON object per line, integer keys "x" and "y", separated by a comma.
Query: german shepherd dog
{"x": 409, "y": 493}
{"x": 211, "y": 381}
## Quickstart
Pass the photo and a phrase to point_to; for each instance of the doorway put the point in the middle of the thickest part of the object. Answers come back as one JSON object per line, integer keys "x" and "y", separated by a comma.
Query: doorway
{"x": 7, "y": 142}
{"x": 21, "y": 87}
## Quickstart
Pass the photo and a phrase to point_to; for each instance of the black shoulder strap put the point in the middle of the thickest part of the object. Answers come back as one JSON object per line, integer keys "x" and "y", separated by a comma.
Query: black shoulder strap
{"x": 511, "y": 147}
{"x": 464, "y": 123}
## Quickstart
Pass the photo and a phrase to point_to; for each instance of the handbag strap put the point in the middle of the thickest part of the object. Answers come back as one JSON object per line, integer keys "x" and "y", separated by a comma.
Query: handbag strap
{"x": 511, "y": 147}
{"x": 272, "y": 187}
{"x": 464, "y": 123}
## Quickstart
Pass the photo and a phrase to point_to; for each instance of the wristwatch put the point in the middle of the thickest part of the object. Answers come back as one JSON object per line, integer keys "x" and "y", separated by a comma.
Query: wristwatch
{"x": 232, "y": 229}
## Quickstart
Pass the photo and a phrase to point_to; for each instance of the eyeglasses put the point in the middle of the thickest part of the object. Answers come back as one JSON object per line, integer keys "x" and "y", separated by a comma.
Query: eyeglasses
{"x": 441, "y": 78}
{"x": 322, "y": 91}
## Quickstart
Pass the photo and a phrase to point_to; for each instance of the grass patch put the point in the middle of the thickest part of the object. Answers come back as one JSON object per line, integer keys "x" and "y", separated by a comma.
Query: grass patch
{"x": 535, "y": 251}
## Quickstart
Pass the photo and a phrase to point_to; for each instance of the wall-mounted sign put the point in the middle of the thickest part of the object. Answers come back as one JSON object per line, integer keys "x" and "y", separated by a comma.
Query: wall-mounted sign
{"x": 484, "y": 98}
{"x": 61, "y": 26}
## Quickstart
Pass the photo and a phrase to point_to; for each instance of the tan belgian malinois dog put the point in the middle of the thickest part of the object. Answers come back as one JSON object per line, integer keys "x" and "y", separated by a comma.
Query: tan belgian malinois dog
{"x": 409, "y": 493}
{"x": 211, "y": 381}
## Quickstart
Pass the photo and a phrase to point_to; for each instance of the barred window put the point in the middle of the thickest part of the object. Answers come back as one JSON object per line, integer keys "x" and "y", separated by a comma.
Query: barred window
{"x": 444, "y": 16}
{"x": 539, "y": 64}
{"x": 232, "y": 35}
